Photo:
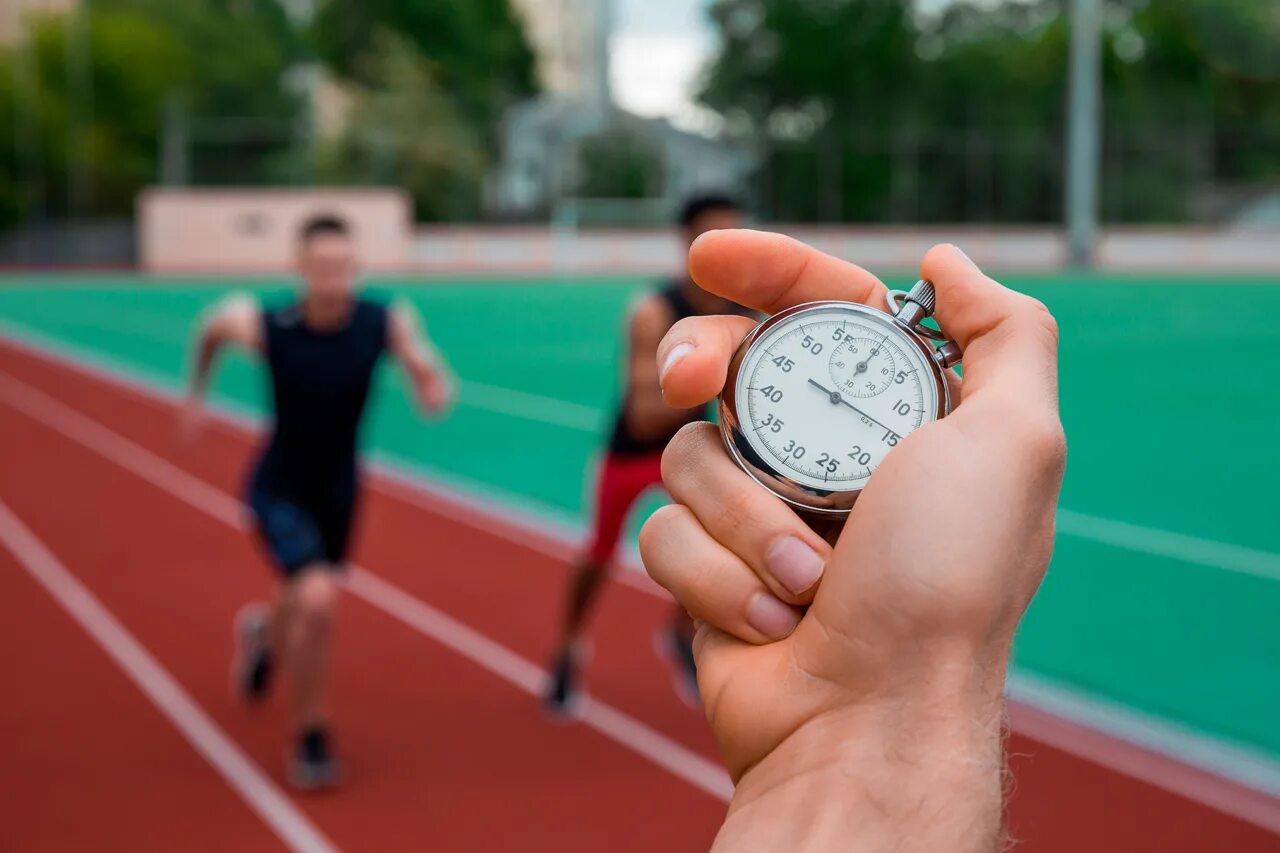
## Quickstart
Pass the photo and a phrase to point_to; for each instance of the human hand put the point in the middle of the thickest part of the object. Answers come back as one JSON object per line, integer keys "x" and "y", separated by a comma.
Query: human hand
{"x": 900, "y": 632}
{"x": 435, "y": 394}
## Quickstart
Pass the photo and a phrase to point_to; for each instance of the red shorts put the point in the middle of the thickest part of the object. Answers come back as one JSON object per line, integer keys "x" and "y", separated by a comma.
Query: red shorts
{"x": 622, "y": 480}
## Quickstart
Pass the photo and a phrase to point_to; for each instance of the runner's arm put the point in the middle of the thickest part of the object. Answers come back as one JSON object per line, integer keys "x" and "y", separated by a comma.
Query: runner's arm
{"x": 426, "y": 371}
{"x": 647, "y": 413}
{"x": 235, "y": 321}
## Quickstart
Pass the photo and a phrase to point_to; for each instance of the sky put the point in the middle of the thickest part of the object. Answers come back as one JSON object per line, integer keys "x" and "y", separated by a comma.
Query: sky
{"x": 658, "y": 49}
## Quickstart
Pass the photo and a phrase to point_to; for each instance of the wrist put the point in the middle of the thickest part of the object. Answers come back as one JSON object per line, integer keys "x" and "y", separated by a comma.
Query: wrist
{"x": 923, "y": 762}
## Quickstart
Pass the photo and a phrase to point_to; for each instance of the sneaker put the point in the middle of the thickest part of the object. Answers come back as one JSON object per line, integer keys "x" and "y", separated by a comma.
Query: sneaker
{"x": 563, "y": 698}
{"x": 312, "y": 766}
{"x": 678, "y": 652}
{"x": 254, "y": 662}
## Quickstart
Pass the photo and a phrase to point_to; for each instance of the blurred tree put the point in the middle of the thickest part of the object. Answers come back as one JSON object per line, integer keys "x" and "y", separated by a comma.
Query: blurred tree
{"x": 806, "y": 76}
{"x": 990, "y": 107}
{"x": 12, "y": 204}
{"x": 619, "y": 164}
{"x": 239, "y": 50}
{"x": 865, "y": 110}
{"x": 404, "y": 130}
{"x": 1210, "y": 68}
{"x": 234, "y": 88}
{"x": 224, "y": 59}
{"x": 133, "y": 65}
{"x": 481, "y": 58}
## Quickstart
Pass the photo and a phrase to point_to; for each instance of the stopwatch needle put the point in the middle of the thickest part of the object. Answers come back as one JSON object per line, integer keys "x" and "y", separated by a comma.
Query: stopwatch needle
{"x": 834, "y": 396}
{"x": 837, "y": 397}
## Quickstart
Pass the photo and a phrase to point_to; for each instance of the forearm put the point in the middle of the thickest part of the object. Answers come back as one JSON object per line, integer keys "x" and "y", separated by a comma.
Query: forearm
{"x": 648, "y": 416}
{"x": 430, "y": 382}
{"x": 425, "y": 372}
{"x": 922, "y": 773}
{"x": 206, "y": 353}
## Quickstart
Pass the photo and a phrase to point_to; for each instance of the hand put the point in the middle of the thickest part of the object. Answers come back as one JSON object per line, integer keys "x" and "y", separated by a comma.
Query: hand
{"x": 435, "y": 393}
{"x": 884, "y": 653}
{"x": 191, "y": 421}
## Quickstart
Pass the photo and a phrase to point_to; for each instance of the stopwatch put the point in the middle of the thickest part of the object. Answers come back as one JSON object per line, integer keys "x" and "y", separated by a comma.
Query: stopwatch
{"x": 819, "y": 394}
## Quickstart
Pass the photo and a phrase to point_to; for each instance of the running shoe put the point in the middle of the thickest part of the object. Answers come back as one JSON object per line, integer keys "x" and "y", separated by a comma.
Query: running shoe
{"x": 313, "y": 766}
{"x": 254, "y": 662}
{"x": 563, "y": 698}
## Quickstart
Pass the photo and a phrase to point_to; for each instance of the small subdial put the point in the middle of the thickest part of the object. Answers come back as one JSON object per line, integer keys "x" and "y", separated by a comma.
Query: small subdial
{"x": 862, "y": 367}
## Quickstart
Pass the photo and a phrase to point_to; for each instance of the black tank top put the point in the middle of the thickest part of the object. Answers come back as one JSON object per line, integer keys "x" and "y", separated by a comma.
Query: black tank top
{"x": 623, "y": 441}
{"x": 319, "y": 385}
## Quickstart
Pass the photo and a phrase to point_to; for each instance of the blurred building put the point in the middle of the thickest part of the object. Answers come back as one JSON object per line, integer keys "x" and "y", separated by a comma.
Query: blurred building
{"x": 543, "y": 138}
{"x": 13, "y": 11}
{"x": 542, "y": 164}
{"x": 571, "y": 38}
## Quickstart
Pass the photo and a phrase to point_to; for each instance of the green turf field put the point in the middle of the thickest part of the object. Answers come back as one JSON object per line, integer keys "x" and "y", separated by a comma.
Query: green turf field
{"x": 1165, "y": 587}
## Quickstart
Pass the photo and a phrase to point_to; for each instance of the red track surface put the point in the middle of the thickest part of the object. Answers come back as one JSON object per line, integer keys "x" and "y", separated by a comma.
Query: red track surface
{"x": 439, "y": 753}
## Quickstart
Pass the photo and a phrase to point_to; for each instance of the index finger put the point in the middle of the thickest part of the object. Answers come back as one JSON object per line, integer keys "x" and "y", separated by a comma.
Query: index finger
{"x": 770, "y": 272}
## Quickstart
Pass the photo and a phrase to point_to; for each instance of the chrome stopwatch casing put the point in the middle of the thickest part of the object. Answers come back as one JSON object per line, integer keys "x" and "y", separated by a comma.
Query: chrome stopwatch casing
{"x": 842, "y": 379}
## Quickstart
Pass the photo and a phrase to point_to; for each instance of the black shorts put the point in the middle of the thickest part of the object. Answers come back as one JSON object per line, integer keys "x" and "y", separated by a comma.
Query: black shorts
{"x": 303, "y": 526}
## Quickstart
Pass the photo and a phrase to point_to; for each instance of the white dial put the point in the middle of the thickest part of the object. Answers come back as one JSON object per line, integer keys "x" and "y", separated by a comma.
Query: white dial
{"x": 826, "y": 393}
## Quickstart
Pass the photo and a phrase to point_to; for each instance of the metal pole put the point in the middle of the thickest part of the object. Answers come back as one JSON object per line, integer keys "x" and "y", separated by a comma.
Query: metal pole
{"x": 79, "y": 110}
{"x": 26, "y": 131}
{"x": 175, "y": 153}
{"x": 1084, "y": 131}
{"x": 601, "y": 52}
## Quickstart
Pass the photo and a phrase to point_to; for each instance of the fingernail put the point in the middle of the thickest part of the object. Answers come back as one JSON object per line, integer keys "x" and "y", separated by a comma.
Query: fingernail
{"x": 771, "y": 617}
{"x": 678, "y": 352}
{"x": 794, "y": 564}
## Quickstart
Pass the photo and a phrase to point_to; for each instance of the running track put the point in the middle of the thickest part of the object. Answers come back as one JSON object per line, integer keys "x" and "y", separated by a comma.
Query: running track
{"x": 124, "y": 559}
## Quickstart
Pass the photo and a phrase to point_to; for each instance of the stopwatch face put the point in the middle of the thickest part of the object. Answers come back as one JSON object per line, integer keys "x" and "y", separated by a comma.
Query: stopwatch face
{"x": 824, "y": 392}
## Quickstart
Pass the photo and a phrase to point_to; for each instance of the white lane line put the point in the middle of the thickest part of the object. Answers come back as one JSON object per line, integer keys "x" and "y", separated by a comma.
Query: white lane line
{"x": 513, "y": 520}
{"x": 1140, "y": 539}
{"x": 148, "y": 675}
{"x": 508, "y": 402}
{"x": 604, "y": 718}
{"x": 531, "y": 407}
{"x": 1232, "y": 780}
{"x": 1173, "y": 546}
{"x": 501, "y": 514}
{"x": 609, "y": 721}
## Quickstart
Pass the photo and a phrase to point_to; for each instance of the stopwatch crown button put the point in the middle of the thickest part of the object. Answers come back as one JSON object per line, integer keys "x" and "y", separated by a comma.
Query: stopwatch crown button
{"x": 947, "y": 355}
{"x": 923, "y": 295}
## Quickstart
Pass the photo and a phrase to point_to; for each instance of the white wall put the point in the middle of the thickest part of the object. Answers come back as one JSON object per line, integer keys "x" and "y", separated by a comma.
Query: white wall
{"x": 210, "y": 231}
{"x": 539, "y": 249}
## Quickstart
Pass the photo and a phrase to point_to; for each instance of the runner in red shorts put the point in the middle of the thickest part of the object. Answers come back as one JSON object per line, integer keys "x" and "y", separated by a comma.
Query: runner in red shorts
{"x": 633, "y": 463}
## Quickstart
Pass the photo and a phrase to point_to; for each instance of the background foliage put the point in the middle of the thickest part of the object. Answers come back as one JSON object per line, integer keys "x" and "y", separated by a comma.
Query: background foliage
{"x": 859, "y": 110}
{"x": 862, "y": 110}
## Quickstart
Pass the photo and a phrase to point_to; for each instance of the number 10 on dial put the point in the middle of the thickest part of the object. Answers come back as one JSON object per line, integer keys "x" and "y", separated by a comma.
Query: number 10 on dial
{"x": 818, "y": 395}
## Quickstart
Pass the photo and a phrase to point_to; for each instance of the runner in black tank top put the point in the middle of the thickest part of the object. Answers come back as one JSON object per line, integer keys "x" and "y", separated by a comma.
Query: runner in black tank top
{"x": 320, "y": 352}
{"x": 633, "y": 462}
{"x": 303, "y": 490}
